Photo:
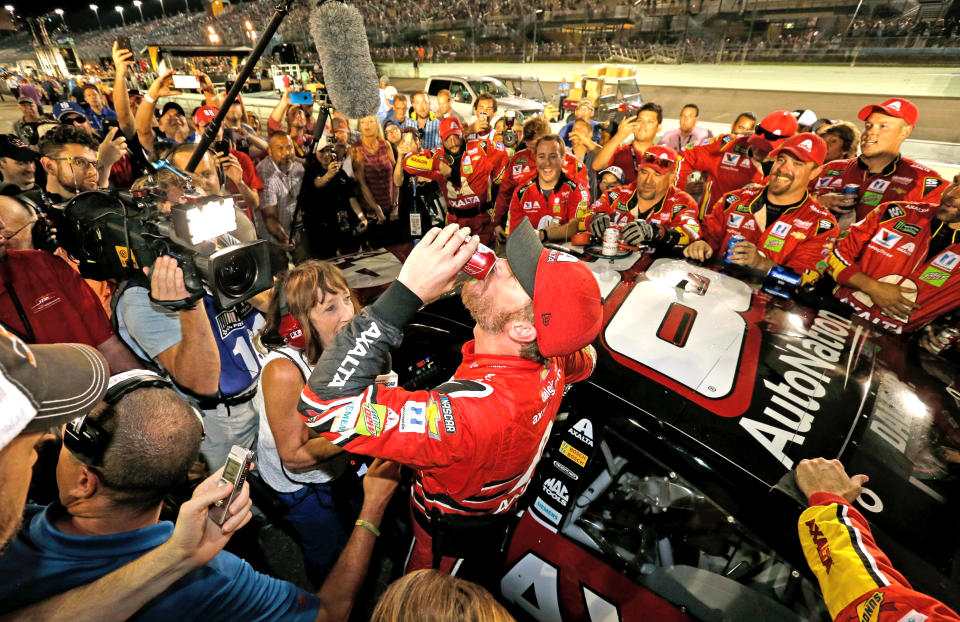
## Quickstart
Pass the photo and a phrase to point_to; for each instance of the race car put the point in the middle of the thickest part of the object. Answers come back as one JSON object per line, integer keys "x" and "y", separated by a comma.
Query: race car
{"x": 666, "y": 491}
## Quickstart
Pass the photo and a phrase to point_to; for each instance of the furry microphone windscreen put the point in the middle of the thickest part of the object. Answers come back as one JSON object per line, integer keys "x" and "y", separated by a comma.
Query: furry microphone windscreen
{"x": 348, "y": 72}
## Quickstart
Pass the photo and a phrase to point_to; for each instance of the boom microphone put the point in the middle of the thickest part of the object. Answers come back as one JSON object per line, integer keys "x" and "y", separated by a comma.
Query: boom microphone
{"x": 349, "y": 75}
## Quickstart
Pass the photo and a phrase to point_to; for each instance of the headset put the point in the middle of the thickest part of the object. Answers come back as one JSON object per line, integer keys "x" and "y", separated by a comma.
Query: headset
{"x": 86, "y": 439}
{"x": 289, "y": 327}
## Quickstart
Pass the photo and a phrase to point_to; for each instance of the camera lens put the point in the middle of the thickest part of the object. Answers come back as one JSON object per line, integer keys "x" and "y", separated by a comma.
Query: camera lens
{"x": 236, "y": 273}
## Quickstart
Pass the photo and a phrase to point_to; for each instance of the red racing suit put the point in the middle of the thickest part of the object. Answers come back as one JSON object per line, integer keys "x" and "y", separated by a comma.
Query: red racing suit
{"x": 902, "y": 180}
{"x": 523, "y": 167}
{"x": 800, "y": 239}
{"x": 891, "y": 244}
{"x": 725, "y": 162}
{"x": 676, "y": 210}
{"x": 569, "y": 200}
{"x": 857, "y": 580}
{"x": 482, "y": 167}
{"x": 473, "y": 441}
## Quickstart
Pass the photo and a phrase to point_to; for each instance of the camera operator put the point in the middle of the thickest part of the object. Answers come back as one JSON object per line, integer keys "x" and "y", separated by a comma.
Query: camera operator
{"x": 111, "y": 490}
{"x": 333, "y": 221}
{"x": 475, "y": 440}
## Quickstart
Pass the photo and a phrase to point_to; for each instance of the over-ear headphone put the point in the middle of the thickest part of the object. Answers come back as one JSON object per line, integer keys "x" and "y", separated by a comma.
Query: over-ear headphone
{"x": 86, "y": 439}
{"x": 289, "y": 327}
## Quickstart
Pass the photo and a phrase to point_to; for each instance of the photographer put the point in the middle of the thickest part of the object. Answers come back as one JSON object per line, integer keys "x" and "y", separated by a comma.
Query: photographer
{"x": 236, "y": 165}
{"x": 333, "y": 221}
{"x": 173, "y": 126}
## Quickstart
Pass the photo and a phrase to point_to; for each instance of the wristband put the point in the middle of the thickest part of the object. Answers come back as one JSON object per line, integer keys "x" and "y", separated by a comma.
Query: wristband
{"x": 147, "y": 97}
{"x": 368, "y": 526}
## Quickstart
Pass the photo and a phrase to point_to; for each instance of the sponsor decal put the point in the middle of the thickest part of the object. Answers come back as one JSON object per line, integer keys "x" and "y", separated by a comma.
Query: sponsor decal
{"x": 806, "y": 145}
{"x": 871, "y": 198}
{"x": 517, "y": 170}
{"x": 869, "y": 610}
{"x": 780, "y": 229}
{"x": 731, "y": 159}
{"x": 946, "y": 261}
{"x": 743, "y": 208}
{"x": 371, "y": 420}
{"x": 833, "y": 172}
{"x": 820, "y": 541}
{"x": 824, "y": 225}
{"x": 929, "y": 185}
{"x": 552, "y": 515}
{"x": 893, "y": 211}
{"x": 346, "y": 420}
{"x": 446, "y": 411}
{"x": 124, "y": 255}
{"x": 735, "y": 220}
{"x": 433, "y": 421}
{"x": 794, "y": 400}
{"x": 934, "y": 277}
{"x": 907, "y": 249}
{"x": 913, "y": 616}
{"x": 800, "y": 235}
{"x": 559, "y": 257}
{"x": 900, "y": 179}
{"x": 878, "y": 185}
{"x": 886, "y": 238}
{"x": 413, "y": 417}
{"x": 530, "y": 206}
{"x": 231, "y": 320}
{"x": 45, "y": 301}
{"x": 773, "y": 244}
{"x": 556, "y": 491}
{"x": 566, "y": 471}
{"x": 360, "y": 348}
{"x": 749, "y": 225}
{"x": 573, "y": 453}
{"x": 907, "y": 228}
{"x": 583, "y": 430}
{"x": 731, "y": 198}
{"x": 823, "y": 182}
{"x": 802, "y": 224}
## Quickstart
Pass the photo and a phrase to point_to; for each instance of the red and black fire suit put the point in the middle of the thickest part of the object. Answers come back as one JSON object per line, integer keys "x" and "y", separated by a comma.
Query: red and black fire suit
{"x": 471, "y": 188}
{"x": 676, "y": 210}
{"x": 523, "y": 167}
{"x": 569, "y": 200}
{"x": 892, "y": 243}
{"x": 902, "y": 180}
{"x": 725, "y": 163}
{"x": 473, "y": 441}
{"x": 857, "y": 580}
{"x": 800, "y": 239}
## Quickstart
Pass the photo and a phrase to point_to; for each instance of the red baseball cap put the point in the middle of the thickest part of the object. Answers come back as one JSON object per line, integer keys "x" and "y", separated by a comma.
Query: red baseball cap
{"x": 776, "y": 126}
{"x": 204, "y": 115}
{"x": 567, "y": 311}
{"x": 450, "y": 125}
{"x": 894, "y": 107}
{"x": 806, "y": 147}
{"x": 660, "y": 158}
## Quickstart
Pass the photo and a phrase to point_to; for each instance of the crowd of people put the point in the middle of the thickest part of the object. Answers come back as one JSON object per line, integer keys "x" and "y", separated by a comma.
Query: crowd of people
{"x": 302, "y": 373}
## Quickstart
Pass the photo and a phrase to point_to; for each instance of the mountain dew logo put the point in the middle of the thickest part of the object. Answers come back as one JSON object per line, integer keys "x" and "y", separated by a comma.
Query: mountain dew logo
{"x": 370, "y": 421}
{"x": 934, "y": 276}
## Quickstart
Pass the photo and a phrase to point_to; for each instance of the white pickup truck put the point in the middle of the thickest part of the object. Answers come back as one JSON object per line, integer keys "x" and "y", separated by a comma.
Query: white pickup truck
{"x": 464, "y": 91}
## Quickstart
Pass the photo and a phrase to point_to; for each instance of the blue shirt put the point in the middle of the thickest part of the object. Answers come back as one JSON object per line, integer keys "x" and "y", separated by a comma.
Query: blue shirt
{"x": 564, "y": 132}
{"x": 43, "y": 561}
{"x": 97, "y": 119}
{"x": 431, "y": 130}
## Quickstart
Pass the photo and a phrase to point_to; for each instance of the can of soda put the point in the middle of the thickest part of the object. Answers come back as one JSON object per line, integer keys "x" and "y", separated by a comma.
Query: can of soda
{"x": 736, "y": 237}
{"x": 851, "y": 195}
{"x": 555, "y": 221}
{"x": 481, "y": 263}
{"x": 784, "y": 276}
{"x": 611, "y": 242}
{"x": 946, "y": 337}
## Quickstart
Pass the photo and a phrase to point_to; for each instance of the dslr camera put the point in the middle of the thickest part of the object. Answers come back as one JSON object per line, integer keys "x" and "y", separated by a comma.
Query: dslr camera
{"x": 114, "y": 234}
{"x": 510, "y": 137}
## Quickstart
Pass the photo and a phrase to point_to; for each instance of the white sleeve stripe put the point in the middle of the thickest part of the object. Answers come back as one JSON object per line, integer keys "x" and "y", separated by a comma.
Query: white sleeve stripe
{"x": 862, "y": 551}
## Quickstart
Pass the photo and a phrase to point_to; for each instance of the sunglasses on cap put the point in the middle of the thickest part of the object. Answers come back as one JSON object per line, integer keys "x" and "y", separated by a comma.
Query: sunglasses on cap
{"x": 759, "y": 131}
{"x": 658, "y": 161}
{"x": 73, "y": 119}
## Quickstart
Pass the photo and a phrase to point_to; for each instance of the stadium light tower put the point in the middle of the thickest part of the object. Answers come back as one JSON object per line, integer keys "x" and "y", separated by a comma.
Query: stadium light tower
{"x": 94, "y": 8}
{"x": 139, "y": 6}
{"x": 122, "y": 18}
{"x": 60, "y": 13}
{"x": 163, "y": 9}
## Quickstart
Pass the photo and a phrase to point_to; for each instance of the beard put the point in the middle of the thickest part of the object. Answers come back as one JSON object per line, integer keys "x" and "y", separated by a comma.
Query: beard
{"x": 482, "y": 310}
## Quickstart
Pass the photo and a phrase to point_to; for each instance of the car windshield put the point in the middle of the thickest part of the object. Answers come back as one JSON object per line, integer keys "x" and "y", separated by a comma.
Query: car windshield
{"x": 494, "y": 87}
{"x": 629, "y": 87}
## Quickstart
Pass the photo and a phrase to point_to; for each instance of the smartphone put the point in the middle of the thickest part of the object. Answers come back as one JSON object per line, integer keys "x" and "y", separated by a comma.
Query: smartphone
{"x": 222, "y": 147}
{"x": 301, "y": 98}
{"x": 181, "y": 81}
{"x": 234, "y": 472}
{"x": 123, "y": 43}
{"x": 228, "y": 85}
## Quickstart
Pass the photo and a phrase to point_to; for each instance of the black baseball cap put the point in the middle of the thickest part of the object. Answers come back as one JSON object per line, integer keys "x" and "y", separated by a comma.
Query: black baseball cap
{"x": 172, "y": 105}
{"x": 14, "y": 148}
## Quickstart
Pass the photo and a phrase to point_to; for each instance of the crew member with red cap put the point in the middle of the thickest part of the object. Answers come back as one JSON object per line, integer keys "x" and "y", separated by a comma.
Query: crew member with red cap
{"x": 239, "y": 169}
{"x": 550, "y": 194}
{"x": 880, "y": 171}
{"x": 781, "y": 223}
{"x": 651, "y": 209}
{"x": 730, "y": 162}
{"x": 469, "y": 173}
{"x": 475, "y": 440}
{"x": 896, "y": 265}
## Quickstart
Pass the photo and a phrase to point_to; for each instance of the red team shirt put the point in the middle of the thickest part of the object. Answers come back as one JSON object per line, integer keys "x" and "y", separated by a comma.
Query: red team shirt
{"x": 725, "y": 163}
{"x": 569, "y": 200}
{"x": 676, "y": 211}
{"x": 523, "y": 167}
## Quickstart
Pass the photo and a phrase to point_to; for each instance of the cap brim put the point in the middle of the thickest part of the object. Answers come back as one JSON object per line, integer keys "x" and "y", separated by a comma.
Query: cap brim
{"x": 523, "y": 254}
{"x": 800, "y": 155}
{"x": 759, "y": 142}
{"x": 76, "y": 380}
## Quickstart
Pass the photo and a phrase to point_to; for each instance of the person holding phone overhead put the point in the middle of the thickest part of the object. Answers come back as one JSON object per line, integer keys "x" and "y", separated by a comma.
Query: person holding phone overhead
{"x": 644, "y": 127}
